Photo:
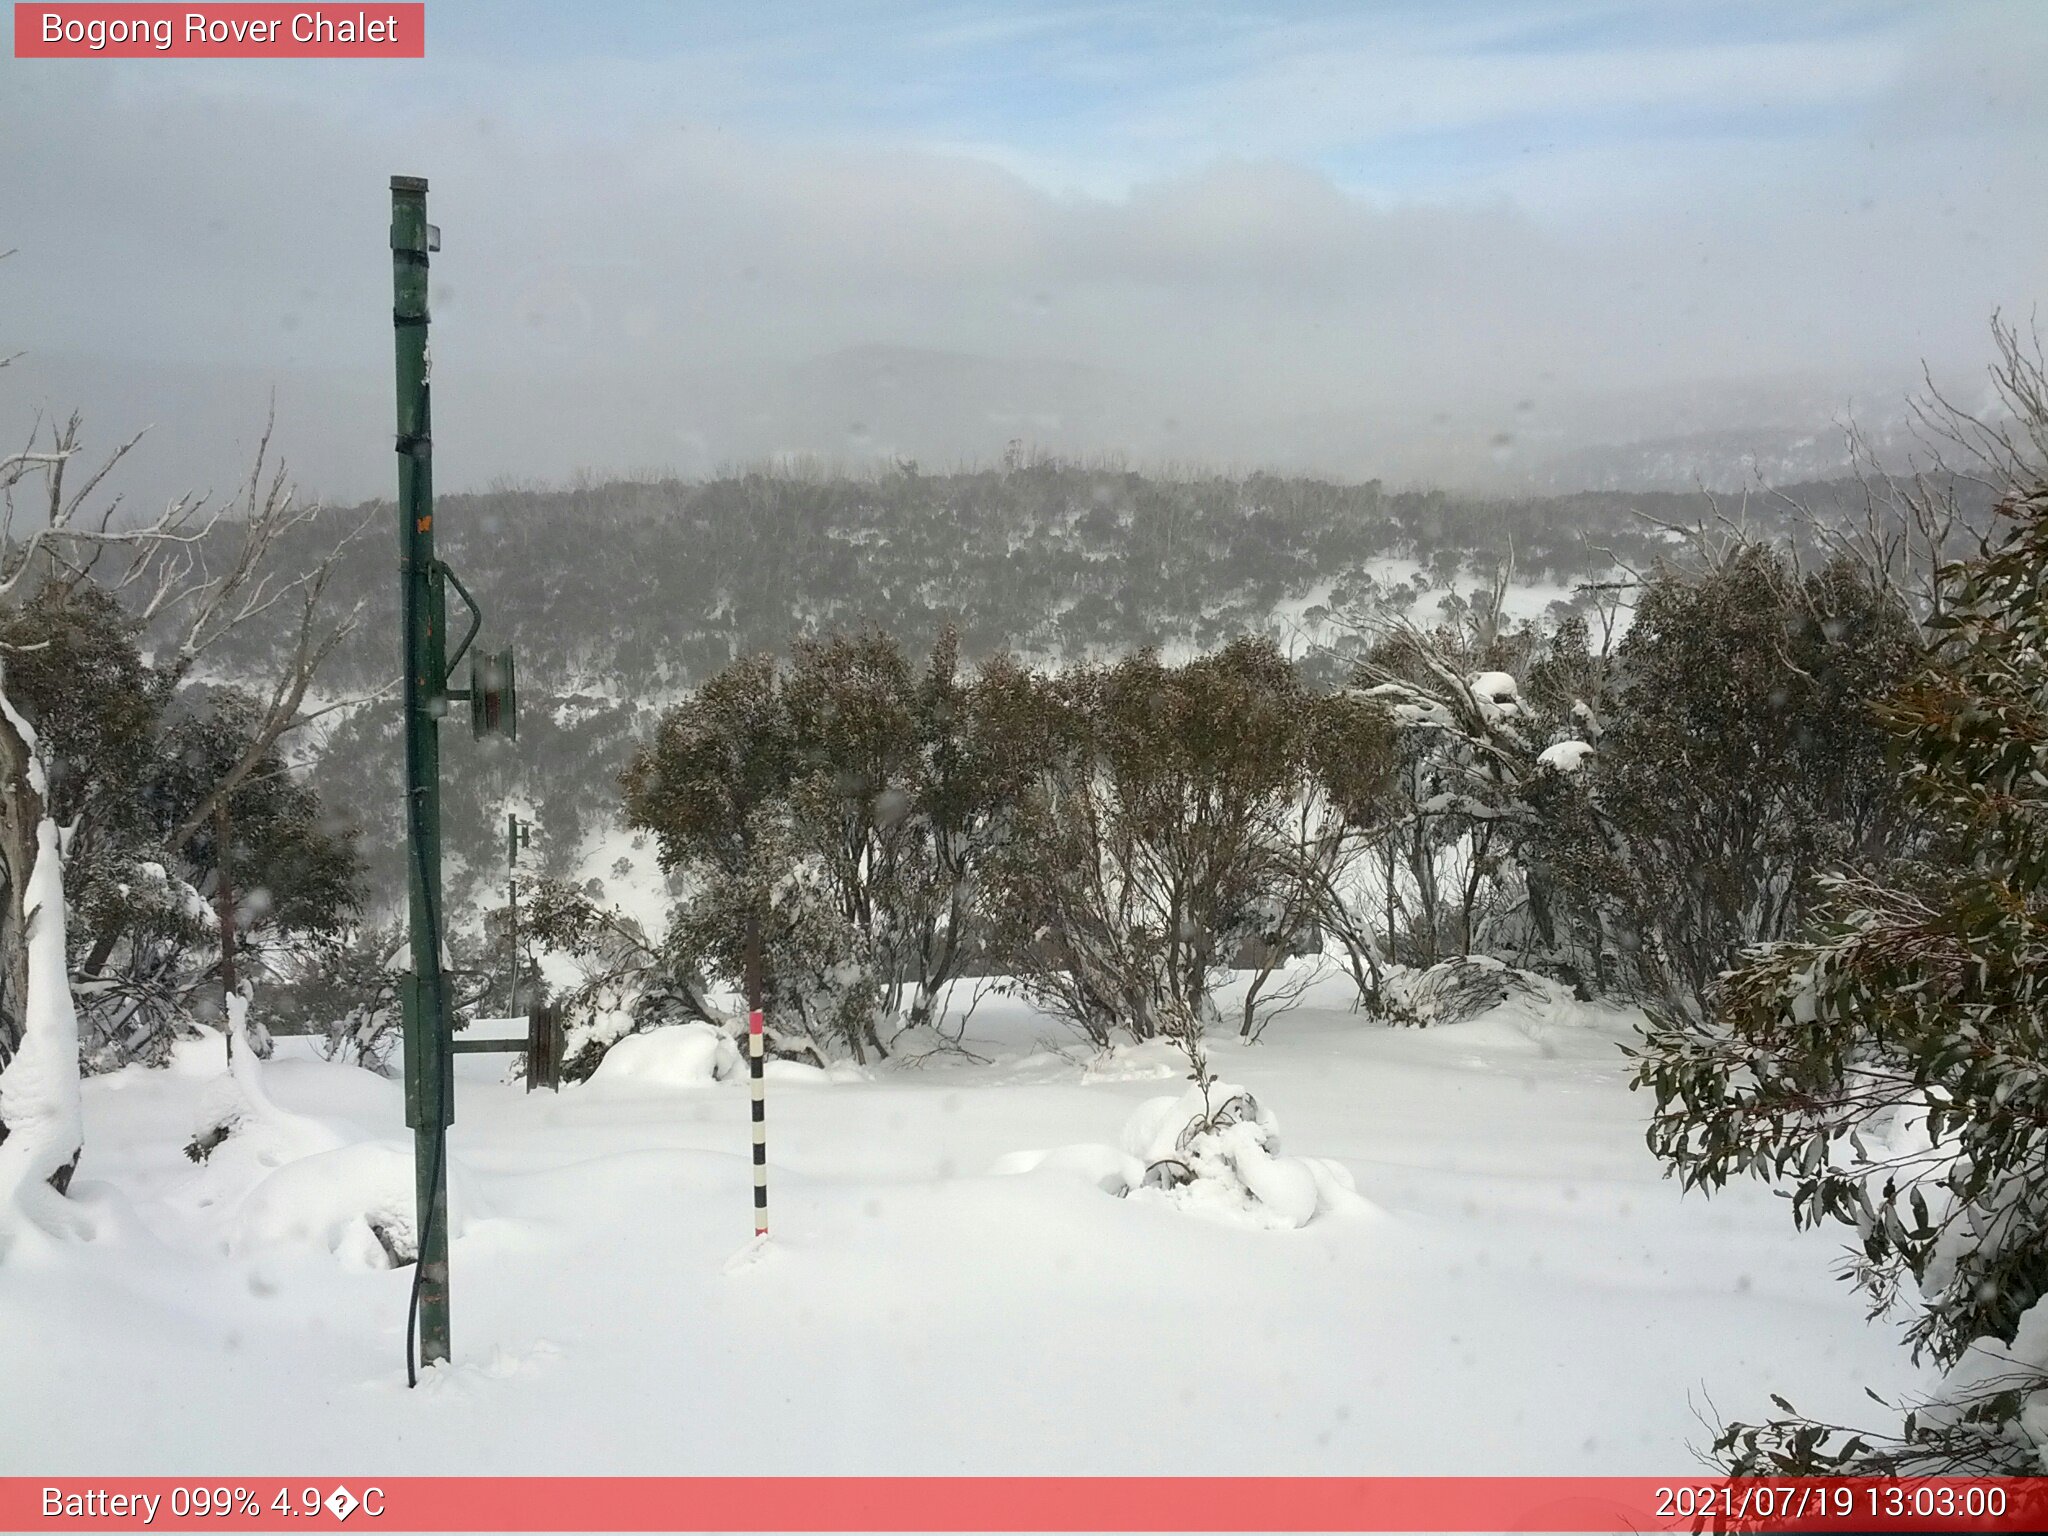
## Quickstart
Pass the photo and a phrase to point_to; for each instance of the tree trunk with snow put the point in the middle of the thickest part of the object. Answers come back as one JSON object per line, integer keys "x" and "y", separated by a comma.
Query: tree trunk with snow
{"x": 21, "y": 811}
{"x": 41, "y": 1130}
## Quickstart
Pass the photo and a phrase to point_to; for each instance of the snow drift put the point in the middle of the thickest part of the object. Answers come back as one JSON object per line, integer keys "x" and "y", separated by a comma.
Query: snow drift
{"x": 690, "y": 1055}
{"x": 355, "y": 1202}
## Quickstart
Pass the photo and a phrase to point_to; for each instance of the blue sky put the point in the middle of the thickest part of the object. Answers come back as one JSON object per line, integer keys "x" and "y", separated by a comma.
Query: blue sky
{"x": 1400, "y": 99}
{"x": 1390, "y": 100}
{"x": 1294, "y": 223}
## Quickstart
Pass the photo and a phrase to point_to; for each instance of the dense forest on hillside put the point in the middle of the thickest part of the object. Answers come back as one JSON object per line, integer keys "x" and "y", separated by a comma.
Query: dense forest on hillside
{"x": 620, "y": 596}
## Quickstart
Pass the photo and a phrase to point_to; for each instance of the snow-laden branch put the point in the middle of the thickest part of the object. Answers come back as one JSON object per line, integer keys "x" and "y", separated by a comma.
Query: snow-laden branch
{"x": 17, "y": 467}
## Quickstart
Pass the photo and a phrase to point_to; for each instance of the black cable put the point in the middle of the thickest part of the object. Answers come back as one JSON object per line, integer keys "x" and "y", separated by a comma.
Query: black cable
{"x": 412, "y": 1310}
{"x": 431, "y": 899}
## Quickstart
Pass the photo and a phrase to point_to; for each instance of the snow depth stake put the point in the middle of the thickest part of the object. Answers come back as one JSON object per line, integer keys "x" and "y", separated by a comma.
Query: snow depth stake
{"x": 756, "y": 1052}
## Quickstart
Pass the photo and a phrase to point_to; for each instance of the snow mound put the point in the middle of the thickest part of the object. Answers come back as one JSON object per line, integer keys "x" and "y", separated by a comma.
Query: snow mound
{"x": 1109, "y": 1169}
{"x": 1216, "y": 1156}
{"x": 674, "y": 1056}
{"x": 1143, "y": 1061}
{"x": 355, "y": 1202}
{"x": 785, "y": 1071}
{"x": 238, "y": 1104}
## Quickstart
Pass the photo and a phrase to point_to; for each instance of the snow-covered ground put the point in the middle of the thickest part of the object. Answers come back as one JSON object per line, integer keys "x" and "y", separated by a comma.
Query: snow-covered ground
{"x": 1517, "y": 1290}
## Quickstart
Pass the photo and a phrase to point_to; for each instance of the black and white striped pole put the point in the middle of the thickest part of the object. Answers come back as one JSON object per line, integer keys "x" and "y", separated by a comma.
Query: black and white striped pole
{"x": 757, "y": 1050}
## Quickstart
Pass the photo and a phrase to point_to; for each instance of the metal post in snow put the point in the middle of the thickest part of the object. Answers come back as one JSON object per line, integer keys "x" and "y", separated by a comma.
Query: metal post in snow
{"x": 756, "y": 1052}
{"x": 428, "y": 1060}
{"x": 493, "y": 698}
{"x": 515, "y": 839}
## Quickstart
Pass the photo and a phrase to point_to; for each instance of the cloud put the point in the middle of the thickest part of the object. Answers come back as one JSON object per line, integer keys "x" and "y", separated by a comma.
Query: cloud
{"x": 1352, "y": 244}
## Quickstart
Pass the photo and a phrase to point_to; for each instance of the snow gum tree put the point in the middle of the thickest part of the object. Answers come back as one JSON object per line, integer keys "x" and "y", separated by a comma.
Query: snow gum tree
{"x": 846, "y": 802}
{"x": 129, "y": 754}
{"x": 268, "y": 861}
{"x": 1889, "y": 1068}
{"x": 980, "y": 739}
{"x": 1734, "y": 752}
{"x": 1344, "y": 799}
{"x": 81, "y": 584}
{"x": 710, "y": 786}
{"x": 1165, "y": 832}
{"x": 1631, "y": 820}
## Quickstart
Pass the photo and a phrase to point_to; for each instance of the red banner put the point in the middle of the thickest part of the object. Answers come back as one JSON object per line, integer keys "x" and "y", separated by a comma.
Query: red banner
{"x": 1844, "y": 1505}
{"x": 112, "y": 31}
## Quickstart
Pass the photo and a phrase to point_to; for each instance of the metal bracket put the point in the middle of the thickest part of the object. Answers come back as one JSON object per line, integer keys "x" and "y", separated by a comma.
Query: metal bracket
{"x": 476, "y": 616}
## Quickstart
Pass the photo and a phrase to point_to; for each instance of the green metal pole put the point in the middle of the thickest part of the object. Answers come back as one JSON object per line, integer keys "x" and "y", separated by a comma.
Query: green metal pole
{"x": 429, "y": 1080}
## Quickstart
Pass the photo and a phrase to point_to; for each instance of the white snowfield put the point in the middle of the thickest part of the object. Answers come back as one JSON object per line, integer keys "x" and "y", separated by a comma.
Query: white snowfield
{"x": 1512, "y": 1288}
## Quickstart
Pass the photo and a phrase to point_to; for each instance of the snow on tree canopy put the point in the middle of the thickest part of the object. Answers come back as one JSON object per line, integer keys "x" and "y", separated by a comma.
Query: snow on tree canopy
{"x": 1565, "y": 756}
{"x": 1498, "y": 690}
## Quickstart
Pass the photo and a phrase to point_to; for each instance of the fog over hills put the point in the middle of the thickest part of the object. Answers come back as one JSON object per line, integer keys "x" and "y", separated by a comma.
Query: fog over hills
{"x": 869, "y": 406}
{"x": 1541, "y": 249}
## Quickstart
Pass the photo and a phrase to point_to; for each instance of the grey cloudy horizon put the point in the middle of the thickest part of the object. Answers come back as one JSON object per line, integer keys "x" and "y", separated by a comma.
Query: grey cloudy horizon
{"x": 1418, "y": 242}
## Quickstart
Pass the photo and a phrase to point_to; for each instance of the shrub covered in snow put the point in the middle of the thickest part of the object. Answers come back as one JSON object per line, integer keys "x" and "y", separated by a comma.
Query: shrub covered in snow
{"x": 239, "y": 1102}
{"x": 597, "y": 1025}
{"x": 344, "y": 992}
{"x": 1454, "y": 990}
{"x": 1631, "y": 819}
{"x": 1447, "y": 871}
{"x": 1212, "y": 1152}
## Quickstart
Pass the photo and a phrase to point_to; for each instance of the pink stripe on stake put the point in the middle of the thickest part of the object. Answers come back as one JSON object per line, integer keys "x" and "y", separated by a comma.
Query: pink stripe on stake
{"x": 757, "y": 1048}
